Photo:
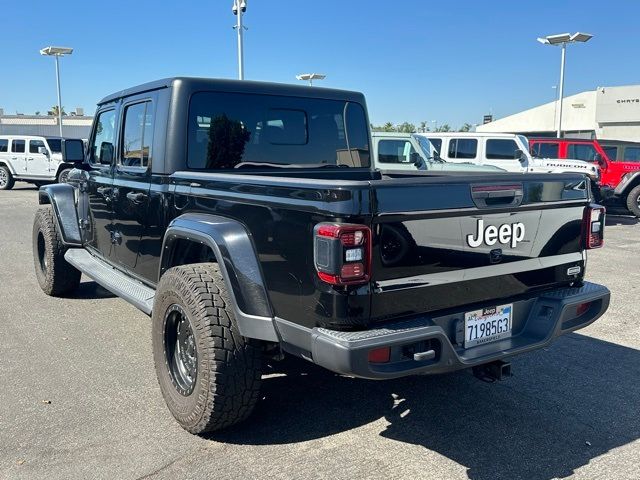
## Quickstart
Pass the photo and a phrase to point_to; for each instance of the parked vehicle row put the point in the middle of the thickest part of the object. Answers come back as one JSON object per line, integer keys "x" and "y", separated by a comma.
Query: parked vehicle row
{"x": 620, "y": 180}
{"x": 249, "y": 221}
{"x": 32, "y": 159}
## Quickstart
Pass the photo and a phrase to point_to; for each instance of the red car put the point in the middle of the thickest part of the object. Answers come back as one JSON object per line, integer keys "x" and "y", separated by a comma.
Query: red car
{"x": 619, "y": 181}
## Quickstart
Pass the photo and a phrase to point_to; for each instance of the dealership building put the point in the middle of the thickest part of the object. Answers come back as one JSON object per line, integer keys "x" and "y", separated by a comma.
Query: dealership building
{"x": 611, "y": 113}
{"x": 75, "y": 125}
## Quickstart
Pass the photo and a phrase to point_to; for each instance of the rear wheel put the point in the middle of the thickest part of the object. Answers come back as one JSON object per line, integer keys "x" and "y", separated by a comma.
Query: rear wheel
{"x": 208, "y": 373}
{"x": 55, "y": 275}
{"x": 6, "y": 179}
{"x": 633, "y": 201}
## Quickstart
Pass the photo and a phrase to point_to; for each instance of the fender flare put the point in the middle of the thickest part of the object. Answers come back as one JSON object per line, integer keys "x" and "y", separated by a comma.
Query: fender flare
{"x": 61, "y": 197}
{"x": 622, "y": 188}
{"x": 9, "y": 166}
{"x": 231, "y": 243}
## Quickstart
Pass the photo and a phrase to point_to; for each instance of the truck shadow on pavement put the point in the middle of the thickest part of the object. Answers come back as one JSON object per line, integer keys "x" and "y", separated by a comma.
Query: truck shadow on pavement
{"x": 614, "y": 220}
{"x": 565, "y": 406}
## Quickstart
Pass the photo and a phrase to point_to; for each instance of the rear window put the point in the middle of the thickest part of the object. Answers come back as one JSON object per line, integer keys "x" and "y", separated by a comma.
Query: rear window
{"x": 463, "y": 148}
{"x": 501, "y": 149}
{"x": 4, "y": 145}
{"x": 17, "y": 146}
{"x": 55, "y": 144}
{"x": 231, "y": 130}
{"x": 632, "y": 154}
{"x": 581, "y": 151}
{"x": 545, "y": 150}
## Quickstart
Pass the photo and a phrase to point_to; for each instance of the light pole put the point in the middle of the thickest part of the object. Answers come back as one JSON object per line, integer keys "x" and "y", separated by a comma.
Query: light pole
{"x": 562, "y": 40}
{"x": 57, "y": 52}
{"x": 239, "y": 8}
{"x": 311, "y": 77}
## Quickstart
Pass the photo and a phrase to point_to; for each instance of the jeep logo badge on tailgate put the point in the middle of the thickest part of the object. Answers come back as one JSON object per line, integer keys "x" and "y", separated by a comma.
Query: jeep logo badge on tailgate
{"x": 506, "y": 234}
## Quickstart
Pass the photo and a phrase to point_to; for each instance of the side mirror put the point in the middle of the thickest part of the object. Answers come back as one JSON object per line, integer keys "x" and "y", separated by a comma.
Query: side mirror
{"x": 106, "y": 152}
{"x": 72, "y": 150}
{"x": 43, "y": 151}
{"x": 519, "y": 155}
{"x": 598, "y": 158}
{"x": 436, "y": 156}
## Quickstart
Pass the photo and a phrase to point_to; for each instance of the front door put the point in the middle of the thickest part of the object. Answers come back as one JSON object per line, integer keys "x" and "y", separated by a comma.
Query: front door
{"x": 98, "y": 230}
{"x": 132, "y": 179}
{"x": 18, "y": 157}
{"x": 38, "y": 164}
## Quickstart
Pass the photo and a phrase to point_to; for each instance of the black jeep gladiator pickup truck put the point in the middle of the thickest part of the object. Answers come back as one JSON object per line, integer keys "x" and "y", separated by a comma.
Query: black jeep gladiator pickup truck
{"x": 245, "y": 218}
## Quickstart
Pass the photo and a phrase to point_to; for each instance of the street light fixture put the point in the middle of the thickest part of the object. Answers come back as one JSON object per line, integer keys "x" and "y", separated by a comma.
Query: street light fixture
{"x": 239, "y": 8}
{"x": 57, "y": 52}
{"x": 562, "y": 40}
{"x": 311, "y": 77}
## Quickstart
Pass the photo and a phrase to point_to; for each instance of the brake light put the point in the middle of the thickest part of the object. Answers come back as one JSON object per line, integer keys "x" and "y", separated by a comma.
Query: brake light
{"x": 593, "y": 227}
{"x": 342, "y": 253}
{"x": 379, "y": 355}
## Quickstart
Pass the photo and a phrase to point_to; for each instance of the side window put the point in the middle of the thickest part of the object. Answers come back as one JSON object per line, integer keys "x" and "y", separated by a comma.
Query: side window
{"x": 34, "y": 145}
{"x": 581, "y": 151}
{"x": 463, "y": 148}
{"x": 4, "y": 145}
{"x": 631, "y": 154}
{"x": 611, "y": 151}
{"x": 17, "y": 146}
{"x": 545, "y": 150}
{"x": 501, "y": 149}
{"x": 437, "y": 144}
{"x": 395, "y": 151}
{"x": 137, "y": 135}
{"x": 102, "y": 146}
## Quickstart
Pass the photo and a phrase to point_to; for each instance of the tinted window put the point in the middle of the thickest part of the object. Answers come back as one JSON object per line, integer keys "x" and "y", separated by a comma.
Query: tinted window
{"x": 17, "y": 146}
{"x": 102, "y": 147}
{"x": 463, "y": 148}
{"x": 4, "y": 145}
{"x": 502, "y": 149}
{"x": 437, "y": 144}
{"x": 545, "y": 150}
{"x": 34, "y": 145}
{"x": 229, "y": 129}
{"x": 55, "y": 144}
{"x": 137, "y": 135}
{"x": 395, "y": 151}
{"x": 632, "y": 154}
{"x": 581, "y": 151}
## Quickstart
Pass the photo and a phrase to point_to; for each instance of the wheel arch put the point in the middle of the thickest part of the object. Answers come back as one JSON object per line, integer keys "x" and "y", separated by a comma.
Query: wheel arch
{"x": 231, "y": 246}
{"x": 61, "y": 197}
{"x": 623, "y": 189}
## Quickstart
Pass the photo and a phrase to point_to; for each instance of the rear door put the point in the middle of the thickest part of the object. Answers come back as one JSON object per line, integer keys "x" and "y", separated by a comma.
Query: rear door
{"x": 132, "y": 177}
{"x": 446, "y": 242}
{"x": 18, "y": 157}
{"x": 38, "y": 164}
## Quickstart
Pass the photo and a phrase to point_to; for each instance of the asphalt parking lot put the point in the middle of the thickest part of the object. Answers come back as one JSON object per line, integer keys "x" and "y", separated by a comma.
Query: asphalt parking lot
{"x": 79, "y": 399}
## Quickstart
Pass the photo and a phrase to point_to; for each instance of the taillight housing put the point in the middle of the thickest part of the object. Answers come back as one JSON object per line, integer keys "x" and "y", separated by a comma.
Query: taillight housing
{"x": 593, "y": 227}
{"x": 342, "y": 253}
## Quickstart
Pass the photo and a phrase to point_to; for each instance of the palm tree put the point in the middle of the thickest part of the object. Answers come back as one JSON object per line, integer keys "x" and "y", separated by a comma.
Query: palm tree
{"x": 54, "y": 111}
{"x": 388, "y": 127}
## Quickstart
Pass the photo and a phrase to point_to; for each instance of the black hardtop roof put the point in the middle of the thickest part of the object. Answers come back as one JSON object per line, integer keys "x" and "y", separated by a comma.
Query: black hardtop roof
{"x": 237, "y": 86}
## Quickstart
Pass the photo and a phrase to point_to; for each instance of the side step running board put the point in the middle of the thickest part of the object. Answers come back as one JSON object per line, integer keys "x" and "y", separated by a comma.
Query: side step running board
{"x": 112, "y": 279}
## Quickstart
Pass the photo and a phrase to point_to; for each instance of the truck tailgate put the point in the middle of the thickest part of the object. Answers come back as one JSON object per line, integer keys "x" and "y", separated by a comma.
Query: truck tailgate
{"x": 444, "y": 242}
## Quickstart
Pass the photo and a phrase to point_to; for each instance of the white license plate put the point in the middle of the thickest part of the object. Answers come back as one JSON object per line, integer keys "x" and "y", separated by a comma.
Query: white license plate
{"x": 487, "y": 325}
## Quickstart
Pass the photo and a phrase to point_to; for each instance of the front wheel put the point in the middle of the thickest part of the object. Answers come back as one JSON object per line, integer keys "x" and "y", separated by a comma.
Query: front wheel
{"x": 208, "y": 373}
{"x": 6, "y": 179}
{"x": 63, "y": 176}
{"x": 633, "y": 201}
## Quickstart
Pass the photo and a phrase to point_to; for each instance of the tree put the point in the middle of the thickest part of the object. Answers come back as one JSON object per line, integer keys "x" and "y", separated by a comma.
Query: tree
{"x": 388, "y": 127}
{"x": 466, "y": 127}
{"x": 443, "y": 128}
{"x": 423, "y": 126}
{"x": 54, "y": 111}
{"x": 407, "y": 127}
{"x": 38, "y": 112}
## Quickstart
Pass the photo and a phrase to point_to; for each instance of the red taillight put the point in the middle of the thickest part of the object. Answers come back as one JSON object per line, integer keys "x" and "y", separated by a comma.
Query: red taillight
{"x": 582, "y": 308}
{"x": 342, "y": 253}
{"x": 380, "y": 355}
{"x": 593, "y": 227}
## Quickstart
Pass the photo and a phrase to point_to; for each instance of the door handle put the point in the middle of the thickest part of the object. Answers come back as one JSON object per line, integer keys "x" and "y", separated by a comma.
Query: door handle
{"x": 136, "y": 197}
{"x": 30, "y": 158}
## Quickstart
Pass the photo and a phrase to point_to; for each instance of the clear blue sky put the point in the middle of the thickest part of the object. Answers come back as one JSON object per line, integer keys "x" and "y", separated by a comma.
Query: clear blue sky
{"x": 447, "y": 61}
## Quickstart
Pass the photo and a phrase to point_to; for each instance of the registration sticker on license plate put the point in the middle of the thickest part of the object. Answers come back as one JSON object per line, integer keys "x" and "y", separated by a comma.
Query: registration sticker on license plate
{"x": 487, "y": 325}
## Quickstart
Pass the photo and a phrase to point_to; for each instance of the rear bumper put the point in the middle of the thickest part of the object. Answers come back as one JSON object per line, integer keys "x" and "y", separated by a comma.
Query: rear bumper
{"x": 537, "y": 321}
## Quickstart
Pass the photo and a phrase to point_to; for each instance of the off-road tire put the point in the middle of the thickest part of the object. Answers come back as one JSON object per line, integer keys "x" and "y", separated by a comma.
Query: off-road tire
{"x": 8, "y": 180}
{"x": 63, "y": 175}
{"x": 55, "y": 275}
{"x": 633, "y": 201}
{"x": 229, "y": 367}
